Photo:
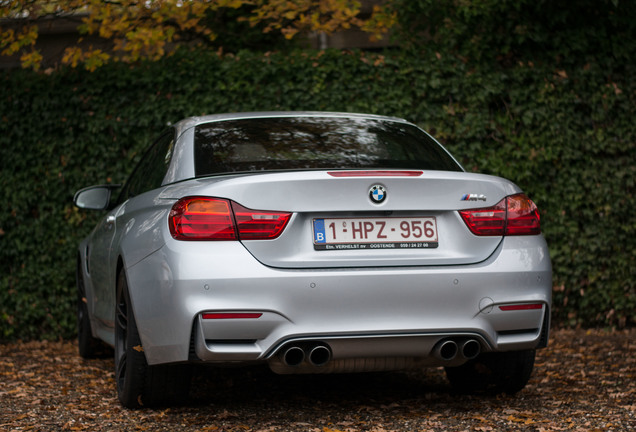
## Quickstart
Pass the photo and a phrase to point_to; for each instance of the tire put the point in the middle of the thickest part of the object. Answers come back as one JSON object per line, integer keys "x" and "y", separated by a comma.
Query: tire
{"x": 88, "y": 346}
{"x": 500, "y": 372}
{"x": 139, "y": 384}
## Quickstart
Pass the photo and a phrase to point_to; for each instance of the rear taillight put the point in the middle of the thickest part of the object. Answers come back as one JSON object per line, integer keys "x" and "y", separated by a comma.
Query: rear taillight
{"x": 259, "y": 225}
{"x": 513, "y": 215}
{"x": 489, "y": 221}
{"x": 523, "y": 216}
{"x": 203, "y": 218}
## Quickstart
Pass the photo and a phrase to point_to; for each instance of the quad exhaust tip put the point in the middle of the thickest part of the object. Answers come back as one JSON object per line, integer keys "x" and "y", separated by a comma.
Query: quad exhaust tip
{"x": 449, "y": 349}
{"x": 319, "y": 355}
{"x": 316, "y": 355}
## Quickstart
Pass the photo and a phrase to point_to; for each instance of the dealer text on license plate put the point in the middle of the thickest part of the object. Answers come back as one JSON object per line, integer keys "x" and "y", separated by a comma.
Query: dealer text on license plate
{"x": 375, "y": 233}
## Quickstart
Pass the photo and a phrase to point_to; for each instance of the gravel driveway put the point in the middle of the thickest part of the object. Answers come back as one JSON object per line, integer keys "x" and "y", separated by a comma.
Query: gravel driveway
{"x": 585, "y": 380}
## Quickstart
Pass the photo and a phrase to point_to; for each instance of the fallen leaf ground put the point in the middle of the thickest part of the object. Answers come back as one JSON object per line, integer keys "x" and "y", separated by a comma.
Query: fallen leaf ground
{"x": 585, "y": 380}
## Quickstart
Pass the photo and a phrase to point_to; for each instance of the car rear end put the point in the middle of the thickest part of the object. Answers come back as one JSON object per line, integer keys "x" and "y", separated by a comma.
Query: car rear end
{"x": 348, "y": 258}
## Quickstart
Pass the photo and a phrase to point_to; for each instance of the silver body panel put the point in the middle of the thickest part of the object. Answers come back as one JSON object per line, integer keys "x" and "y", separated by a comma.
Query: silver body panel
{"x": 383, "y": 309}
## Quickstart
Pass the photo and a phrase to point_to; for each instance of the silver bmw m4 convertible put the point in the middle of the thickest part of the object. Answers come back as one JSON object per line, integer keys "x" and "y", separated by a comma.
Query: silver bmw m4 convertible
{"x": 313, "y": 243}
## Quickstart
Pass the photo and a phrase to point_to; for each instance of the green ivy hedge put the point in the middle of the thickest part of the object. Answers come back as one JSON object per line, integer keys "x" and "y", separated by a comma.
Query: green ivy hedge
{"x": 562, "y": 129}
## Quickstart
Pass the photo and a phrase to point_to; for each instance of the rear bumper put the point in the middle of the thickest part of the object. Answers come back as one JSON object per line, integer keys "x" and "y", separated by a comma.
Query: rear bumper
{"x": 359, "y": 313}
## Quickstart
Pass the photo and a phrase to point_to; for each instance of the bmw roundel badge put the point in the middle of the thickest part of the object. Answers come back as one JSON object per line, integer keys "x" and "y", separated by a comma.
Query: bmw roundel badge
{"x": 377, "y": 193}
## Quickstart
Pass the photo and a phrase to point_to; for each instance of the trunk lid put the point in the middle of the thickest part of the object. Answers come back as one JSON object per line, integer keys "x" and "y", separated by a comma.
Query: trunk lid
{"x": 426, "y": 199}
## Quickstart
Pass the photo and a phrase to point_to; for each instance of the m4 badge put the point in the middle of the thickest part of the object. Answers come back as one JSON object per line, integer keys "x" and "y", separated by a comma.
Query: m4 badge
{"x": 473, "y": 197}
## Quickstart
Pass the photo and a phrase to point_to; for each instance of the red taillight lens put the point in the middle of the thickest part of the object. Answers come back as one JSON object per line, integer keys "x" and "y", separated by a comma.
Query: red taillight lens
{"x": 203, "y": 218}
{"x": 489, "y": 221}
{"x": 513, "y": 215}
{"x": 523, "y": 216}
{"x": 259, "y": 225}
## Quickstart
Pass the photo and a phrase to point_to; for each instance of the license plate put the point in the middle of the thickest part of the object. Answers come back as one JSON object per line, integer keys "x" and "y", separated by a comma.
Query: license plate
{"x": 375, "y": 233}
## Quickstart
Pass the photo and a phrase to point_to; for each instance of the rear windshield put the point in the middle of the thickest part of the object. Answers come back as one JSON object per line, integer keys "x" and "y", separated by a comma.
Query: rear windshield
{"x": 293, "y": 143}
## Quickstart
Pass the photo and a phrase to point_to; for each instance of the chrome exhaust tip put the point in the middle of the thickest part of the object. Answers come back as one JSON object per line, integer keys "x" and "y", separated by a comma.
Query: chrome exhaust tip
{"x": 293, "y": 356}
{"x": 446, "y": 350}
{"x": 470, "y": 349}
{"x": 319, "y": 355}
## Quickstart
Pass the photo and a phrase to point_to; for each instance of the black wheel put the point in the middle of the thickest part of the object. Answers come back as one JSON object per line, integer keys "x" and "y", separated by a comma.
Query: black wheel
{"x": 89, "y": 347}
{"x": 139, "y": 384}
{"x": 498, "y": 372}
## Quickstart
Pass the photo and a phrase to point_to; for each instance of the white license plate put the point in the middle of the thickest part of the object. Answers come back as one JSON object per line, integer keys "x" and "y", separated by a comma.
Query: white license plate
{"x": 375, "y": 233}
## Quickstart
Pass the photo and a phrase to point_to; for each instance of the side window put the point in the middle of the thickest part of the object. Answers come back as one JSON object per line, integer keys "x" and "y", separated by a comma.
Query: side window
{"x": 151, "y": 169}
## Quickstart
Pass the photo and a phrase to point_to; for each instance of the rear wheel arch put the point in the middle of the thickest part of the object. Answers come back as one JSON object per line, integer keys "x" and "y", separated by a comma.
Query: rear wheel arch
{"x": 139, "y": 384}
